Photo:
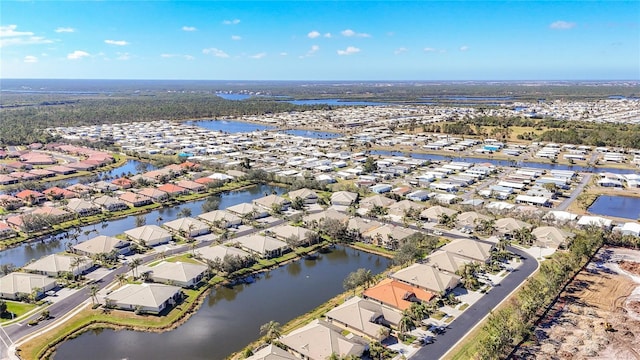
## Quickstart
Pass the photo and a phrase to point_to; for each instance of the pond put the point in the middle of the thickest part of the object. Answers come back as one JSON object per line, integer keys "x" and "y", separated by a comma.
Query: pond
{"x": 230, "y": 318}
{"x": 336, "y": 102}
{"x": 230, "y": 126}
{"x": 618, "y": 206}
{"x": 234, "y": 97}
{"x": 26, "y": 252}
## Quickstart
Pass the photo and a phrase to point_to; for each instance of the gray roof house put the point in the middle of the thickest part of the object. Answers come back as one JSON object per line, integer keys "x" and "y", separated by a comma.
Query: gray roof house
{"x": 364, "y": 317}
{"x": 150, "y": 298}
{"x": 344, "y": 198}
{"x": 83, "y": 207}
{"x": 110, "y": 203}
{"x": 149, "y": 235}
{"x": 284, "y": 232}
{"x": 264, "y": 246}
{"x": 176, "y": 273}
{"x": 54, "y": 264}
{"x": 474, "y": 250}
{"x": 102, "y": 245}
{"x": 319, "y": 339}
{"x": 17, "y": 285}
{"x": 427, "y": 277}
{"x": 271, "y": 352}
{"x": 187, "y": 226}
{"x": 213, "y": 253}
{"x": 246, "y": 209}
{"x": 269, "y": 201}
{"x": 309, "y": 196}
{"x": 221, "y": 218}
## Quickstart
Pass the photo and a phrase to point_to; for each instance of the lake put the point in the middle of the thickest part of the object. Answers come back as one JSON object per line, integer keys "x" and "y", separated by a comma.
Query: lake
{"x": 312, "y": 134}
{"x": 230, "y": 126}
{"x": 335, "y": 102}
{"x": 230, "y": 318}
{"x": 234, "y": 97}
{"x": 26, "y": 252}
{"x": 618, "y": 206}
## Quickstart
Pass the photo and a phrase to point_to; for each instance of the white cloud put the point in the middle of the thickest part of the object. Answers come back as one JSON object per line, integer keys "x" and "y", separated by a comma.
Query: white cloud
{"x": 215, "y": 52}
{"x": 313, "y": 34}
{"x": 30, "y": 59}
{"x": 78, "y": 54}
{"x": 562, "y": 25}
{"x": 123, "y": 56}
{"x": 236, "y": 37}
{"x": 464, "y": 48}
{"x": 169, "y": 56}
{"x": 9, "y": 36}
{"x": 116, "y": 42}
{"x": 400, "y": 50}
{"x": 231, "y": 22}
{"x": 189, "y": 28}
{"x": 314, "y": 49}
{"x": 327, "y": 35}
{"x": 283, "y": 54}
{"x": 351, "y": 33}
{"x": 258, "y": 56}
{"x": 429, "y": 49}
{"x": 350, "y": 50}
{"x": 64, "y": 30}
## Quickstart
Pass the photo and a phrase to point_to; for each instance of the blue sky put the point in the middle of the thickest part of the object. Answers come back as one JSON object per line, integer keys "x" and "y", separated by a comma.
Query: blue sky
{"x": 321, "y": 40}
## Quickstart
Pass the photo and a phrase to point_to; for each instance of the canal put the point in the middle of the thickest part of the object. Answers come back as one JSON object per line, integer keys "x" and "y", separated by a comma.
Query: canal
{"x": 26, "y": 252}
{"x": 230, "y": 318}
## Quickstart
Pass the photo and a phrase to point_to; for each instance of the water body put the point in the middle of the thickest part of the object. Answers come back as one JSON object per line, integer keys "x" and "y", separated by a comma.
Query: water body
{"x": 235, "y": 97}
{"x": 230, "y": 126}
{"x": 529, "y": 164}
{"x": 231, "y": 318}
{"x": 26, "y": 252}
{"x": 313, "y": 134}
{"x": 130, "y": 167}
{"x": 336, "y": 102}
{"x": 619, "y": 206}
{"x": 469, "y": 98}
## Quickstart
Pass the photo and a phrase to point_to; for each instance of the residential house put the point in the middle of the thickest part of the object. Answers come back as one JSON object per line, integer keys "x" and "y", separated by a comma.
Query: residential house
{"x": 319, "y": 339}
{"x": 102, "y": 245}
{"x": 110, "y": 203}
{"x": 471, "y": 219}
{"x": 397, "y": 294}
{"x": 344, "y": 198}
{"x": 148, "y": 298}
{"x": 83, "y": 207}
{"x": 508, "y": 226}
{"x": 18, "y": 285}
{"x": 387, "y": 235}
{"x": 246, "y": 210}
{"x": 173, "y": 189}
{"x": 135, "y": 199}
{"x": 188, "y": 227}
{"x": 403, "y": 207}
{"x": 177, "y": 273}
{"x": 55, "y": 264}
{"x": 271, "y": 352}
{"x": 364, "y": 317}
{"x": 192, "y": 186}
{"x": 269, "y": 202}
{"x": 123, "y": 183}
{"x": 149, "y": 235}
{"x": 219, "y": 252}
{"x": 316, "y": 219}
{"x": 446, "y": 261}
{"x": 427, "y": 277}
{"x": 262, "y": 245}
{"x": 376, "y": 200}
{"x": 56, "y": 193}
{"x": 9, "y": 202}
{"x": 287, "y": 232}
{"x": 549, "y": 236}
{"x": 474, "y": 250}
{"x": 31, "y": 197}
{"x": 307, "y": 195}
{"x": 434, "y": 213}
{"x": 6, "y": 231}
{"x": 221, "y": 218}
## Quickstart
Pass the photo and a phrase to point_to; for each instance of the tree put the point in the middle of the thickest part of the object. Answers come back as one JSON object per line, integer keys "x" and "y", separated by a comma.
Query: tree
{"x": 486, "y": 227}
{"x": 3, "y": 308}
{"x": 133, "y": 265}
{"x": 406, "y": 324}
{"x": 93, "y": 291}
{"x": 333, "y": 228}
{"x": 298, "y": 203}
{"x": 6, "y": 269}
{"x": 272, "y": 330}
{"x": 212, "y": 203}
{"x": 184, "y": 212}
{"x": 76, "y": 262}
{"x": 370, "y": 165}
{"x": 122, "y": 278}
{"x": 524, "y": 236}
{"x": 140, "y": 220}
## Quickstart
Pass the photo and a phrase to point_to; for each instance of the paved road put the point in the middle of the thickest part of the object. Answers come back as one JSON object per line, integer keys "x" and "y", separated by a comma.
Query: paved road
{"x": 472, "y": 315}
{"x": 586, "y": 177}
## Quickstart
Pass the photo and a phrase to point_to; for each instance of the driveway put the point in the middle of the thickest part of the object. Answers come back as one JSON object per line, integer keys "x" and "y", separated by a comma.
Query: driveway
{"x": 586, "y": 177}
{"x": 459, "y": 327}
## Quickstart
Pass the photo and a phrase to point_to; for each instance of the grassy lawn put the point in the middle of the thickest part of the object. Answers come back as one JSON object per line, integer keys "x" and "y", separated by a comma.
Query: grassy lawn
{"x": 438, "y": 315}
{"x": 463, "y": 306}
{"x": 373, "y": 248}
{"x": 18, "y": 309}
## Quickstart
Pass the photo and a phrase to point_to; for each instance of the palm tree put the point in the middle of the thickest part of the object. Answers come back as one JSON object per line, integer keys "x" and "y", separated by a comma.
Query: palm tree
{"x": 75, "y": 263}
{"x": 376, "y": 350}
{"x": 193, "y": 246}
{"x": 271, "y": 330}
{"x": 133, "y": 265}
{"x": 122, "y": 278}
{"x": 93, "y": 291}
{"x": 159, "y": 220}
{"x": 406, "y": 324}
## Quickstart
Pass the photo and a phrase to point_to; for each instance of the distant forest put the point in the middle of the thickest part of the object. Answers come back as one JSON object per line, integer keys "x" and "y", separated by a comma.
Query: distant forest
{"x": 28, "y": 106}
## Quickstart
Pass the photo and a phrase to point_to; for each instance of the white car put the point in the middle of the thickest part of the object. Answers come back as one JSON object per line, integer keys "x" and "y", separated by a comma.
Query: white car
{"x": 437, "y": 232}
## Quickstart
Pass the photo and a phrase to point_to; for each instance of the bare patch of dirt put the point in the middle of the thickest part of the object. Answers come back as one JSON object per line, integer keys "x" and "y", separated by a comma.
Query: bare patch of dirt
{"x": 576, "y": 327}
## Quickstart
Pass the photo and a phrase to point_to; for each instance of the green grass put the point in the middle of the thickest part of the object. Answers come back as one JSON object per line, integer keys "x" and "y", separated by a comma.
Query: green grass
{"x": 439, "y": 315}
{"x": 18, "y": 309}
{"x": 463, "y": 306}
{"x": 373, "y": 248}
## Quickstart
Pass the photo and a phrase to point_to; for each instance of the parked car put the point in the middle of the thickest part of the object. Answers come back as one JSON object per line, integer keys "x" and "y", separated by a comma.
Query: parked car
{"x": 437, "y": 232}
